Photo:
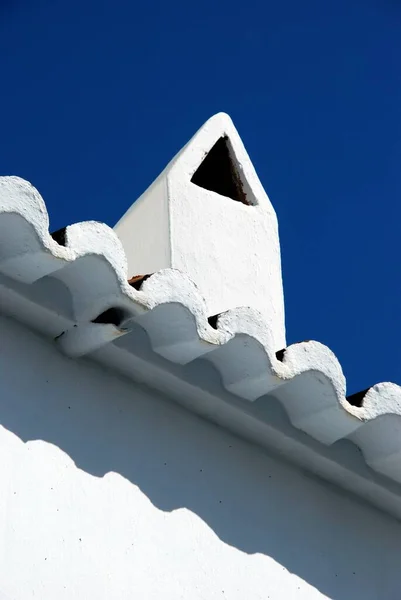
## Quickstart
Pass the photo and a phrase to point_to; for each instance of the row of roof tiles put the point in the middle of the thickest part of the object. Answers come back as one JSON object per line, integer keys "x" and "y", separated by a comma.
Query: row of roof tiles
{"x": 102, "y": 305}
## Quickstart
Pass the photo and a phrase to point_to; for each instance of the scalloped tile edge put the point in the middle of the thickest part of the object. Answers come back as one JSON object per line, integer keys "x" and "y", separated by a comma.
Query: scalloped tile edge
{"x": 306, "y": 377}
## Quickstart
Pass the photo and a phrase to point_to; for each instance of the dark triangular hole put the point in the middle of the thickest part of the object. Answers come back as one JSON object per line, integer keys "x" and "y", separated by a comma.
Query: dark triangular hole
{"x": 111, "y": 316}
{"x": 218, "y": 173}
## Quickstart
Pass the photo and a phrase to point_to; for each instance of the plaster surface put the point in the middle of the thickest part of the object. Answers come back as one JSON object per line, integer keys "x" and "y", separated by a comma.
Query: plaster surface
{"x": 108, "y": 490}
{"x": 72, "y": 286}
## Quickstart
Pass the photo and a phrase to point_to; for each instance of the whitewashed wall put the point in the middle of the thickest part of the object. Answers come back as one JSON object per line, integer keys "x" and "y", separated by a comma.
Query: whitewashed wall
{"x": 109, "y": 492}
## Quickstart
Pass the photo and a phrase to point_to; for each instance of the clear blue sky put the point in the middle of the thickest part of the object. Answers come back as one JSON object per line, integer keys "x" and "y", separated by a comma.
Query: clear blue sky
{"x": 97, "y": 96}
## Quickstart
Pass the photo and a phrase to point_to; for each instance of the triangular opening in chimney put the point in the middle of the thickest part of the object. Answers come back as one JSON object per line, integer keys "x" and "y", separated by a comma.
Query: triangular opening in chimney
{"x": 218, "y": 173}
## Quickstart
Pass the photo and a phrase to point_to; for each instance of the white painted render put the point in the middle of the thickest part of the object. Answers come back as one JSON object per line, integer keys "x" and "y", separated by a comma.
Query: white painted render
{"x": 229, "y": 249}
{"x": 148, "y": 241}
{"x": 110, "y": 491}
{"x": 226, "y": 370}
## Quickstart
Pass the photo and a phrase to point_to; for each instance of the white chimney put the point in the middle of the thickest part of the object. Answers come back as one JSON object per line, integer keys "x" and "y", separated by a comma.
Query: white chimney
{"x": 208, "y": 215}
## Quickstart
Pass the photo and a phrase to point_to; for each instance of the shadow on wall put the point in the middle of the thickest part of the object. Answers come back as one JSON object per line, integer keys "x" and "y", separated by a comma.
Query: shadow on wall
{"x": 250, "y": 501}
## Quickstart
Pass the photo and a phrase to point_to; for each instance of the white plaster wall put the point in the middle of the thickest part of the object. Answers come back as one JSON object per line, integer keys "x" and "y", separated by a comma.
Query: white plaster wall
{"x": 109, "y": 492}
{"x": 146, "y": 233}
{"x": 232, "y": 252}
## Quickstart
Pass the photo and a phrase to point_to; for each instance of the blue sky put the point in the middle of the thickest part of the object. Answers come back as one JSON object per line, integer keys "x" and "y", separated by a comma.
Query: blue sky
{"x": 97, "y": 96}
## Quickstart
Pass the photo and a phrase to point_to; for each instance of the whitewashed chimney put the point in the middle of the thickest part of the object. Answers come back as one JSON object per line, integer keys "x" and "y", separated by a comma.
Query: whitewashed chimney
{"x": 208, "y": 215}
